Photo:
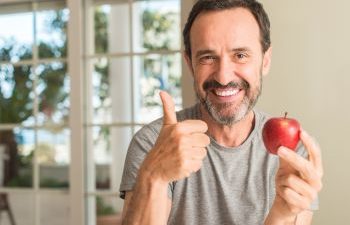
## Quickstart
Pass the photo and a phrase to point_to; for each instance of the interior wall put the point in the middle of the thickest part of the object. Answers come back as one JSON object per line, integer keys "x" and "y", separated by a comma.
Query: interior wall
{"x": 310, "y": 78}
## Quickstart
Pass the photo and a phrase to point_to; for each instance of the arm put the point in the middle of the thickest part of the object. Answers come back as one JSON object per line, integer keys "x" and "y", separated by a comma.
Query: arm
{"x": 158, "y": 210}
{"x": 298, "y": 182}
{"x": 178, "y": 151}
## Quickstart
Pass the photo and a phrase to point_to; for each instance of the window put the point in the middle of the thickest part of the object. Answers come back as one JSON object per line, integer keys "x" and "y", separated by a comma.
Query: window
{"x": 134, "y": 52}
{"x": 131, "y": 49}
{"x": 34, "y": 111}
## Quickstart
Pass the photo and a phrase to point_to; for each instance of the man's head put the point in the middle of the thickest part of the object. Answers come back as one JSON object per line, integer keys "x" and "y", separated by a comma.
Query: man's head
{"x": 253, "y": 6}
{"x": 227, "y": 47}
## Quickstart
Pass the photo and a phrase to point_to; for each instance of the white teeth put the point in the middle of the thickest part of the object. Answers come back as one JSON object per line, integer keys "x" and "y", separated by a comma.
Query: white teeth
{"x": 226, "y": 93}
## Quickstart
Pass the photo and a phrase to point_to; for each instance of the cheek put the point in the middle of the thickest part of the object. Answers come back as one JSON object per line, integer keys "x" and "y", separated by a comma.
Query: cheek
{"x": 251, "y": 74}
{"x": 201, "y": 74}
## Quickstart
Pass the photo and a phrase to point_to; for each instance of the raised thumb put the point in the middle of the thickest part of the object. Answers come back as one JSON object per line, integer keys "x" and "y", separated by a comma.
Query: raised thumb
{"x": 168, "y": 108}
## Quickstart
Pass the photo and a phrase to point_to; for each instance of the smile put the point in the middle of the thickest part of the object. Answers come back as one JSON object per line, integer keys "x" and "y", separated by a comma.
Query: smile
{"x": 227, "y": 92}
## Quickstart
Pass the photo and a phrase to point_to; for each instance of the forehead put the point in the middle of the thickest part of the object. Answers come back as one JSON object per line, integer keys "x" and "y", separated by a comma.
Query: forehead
{"x": 233, "y": 28}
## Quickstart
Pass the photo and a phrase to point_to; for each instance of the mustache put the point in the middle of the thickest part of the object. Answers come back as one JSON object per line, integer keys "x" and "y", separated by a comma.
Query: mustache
{"x": 212, "y": 84}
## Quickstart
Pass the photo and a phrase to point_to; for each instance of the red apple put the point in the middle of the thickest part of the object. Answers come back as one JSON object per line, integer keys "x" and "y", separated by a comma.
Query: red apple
{"x": 281, "y": 131}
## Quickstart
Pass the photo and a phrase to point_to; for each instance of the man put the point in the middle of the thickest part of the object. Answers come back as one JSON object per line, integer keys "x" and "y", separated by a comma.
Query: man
{"x": 207, "y": 164}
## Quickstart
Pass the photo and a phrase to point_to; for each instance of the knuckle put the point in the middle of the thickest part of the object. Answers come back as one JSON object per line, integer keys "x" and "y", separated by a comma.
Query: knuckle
{"x": 308, "y": 170}
{"x": 207, "y": 139}
{"x": 204, "y": 153}
{"x": 305, "y": 204}
{"x": 319, "y": 186}
{"x": 313, "y": 195}
{"x": 290, "y": 180}
{"x": 179, "y": 140}
{"x": 204, "y": 124}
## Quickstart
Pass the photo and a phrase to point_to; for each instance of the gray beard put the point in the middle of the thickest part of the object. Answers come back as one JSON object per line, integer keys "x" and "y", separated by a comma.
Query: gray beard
{"x": 215, "y": 110}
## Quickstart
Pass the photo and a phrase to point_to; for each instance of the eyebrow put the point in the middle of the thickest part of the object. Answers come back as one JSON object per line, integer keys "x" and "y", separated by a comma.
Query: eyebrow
{"x": 204, "y": 52}
{"x": 208, "y": 51}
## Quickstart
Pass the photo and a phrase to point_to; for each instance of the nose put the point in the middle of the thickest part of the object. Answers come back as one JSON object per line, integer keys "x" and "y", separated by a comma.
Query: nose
{"x": 225, "y": 71}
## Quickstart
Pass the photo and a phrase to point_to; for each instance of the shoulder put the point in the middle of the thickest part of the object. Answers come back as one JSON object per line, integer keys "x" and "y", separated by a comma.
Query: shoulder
{"x": 261, "y": 118}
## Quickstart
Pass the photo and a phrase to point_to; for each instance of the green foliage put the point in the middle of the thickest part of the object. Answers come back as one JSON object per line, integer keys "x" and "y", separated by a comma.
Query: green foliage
{"x": 101, "y": 30}
{"x": 102, "y": 208}
{"x": 16, "y": 102}
{"x": 156, "y": 27}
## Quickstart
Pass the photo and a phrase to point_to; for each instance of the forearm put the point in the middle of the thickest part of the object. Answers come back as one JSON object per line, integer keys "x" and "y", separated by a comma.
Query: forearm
{"x": 149, "y": 203}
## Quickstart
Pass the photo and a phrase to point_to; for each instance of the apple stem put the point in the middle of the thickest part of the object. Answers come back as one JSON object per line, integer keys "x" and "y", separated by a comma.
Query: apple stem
{"x": 285, "y": 114}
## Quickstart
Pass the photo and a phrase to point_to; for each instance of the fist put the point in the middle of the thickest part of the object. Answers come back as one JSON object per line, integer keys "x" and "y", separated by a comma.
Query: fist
{"x": 180, "y": 147}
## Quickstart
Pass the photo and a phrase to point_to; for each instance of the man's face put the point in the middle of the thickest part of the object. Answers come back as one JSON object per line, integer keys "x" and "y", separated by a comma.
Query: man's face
{"x": 227, "y": 63}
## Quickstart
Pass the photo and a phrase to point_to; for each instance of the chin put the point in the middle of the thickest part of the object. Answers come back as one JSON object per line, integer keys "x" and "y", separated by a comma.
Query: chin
{"x": 226, "y": 113}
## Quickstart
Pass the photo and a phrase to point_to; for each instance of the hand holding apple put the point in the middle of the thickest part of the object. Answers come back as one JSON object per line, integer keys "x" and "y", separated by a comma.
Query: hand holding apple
{"x": 281, "y": 131}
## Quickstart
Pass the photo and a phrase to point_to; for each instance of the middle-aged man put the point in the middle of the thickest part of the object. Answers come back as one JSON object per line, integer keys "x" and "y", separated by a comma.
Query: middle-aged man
{"x": 207, "y": 164}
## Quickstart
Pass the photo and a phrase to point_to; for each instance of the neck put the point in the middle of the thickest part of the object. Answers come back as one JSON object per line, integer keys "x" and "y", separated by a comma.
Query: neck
{"x": 229, "y": 136}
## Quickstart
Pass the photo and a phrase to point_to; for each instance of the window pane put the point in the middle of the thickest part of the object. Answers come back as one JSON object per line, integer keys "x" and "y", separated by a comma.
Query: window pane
{"x": 154, "y": 73}
{"x": 54, "y": 209}
{"x": 52, "y": 33}
{"x": 111, "y": 94}
{"x": 156, "y": 25}
{"x": 109, "y": 150}
{"x": 16, "y": 154}
{"x": 108, "y": 210}
{"x": 22, "y": 209}
{"x": 53, "y": 151}
{"x": 111, "y": 28}
{"x": 53, "y": 91}
{"x": 16, "y": 94}
{"x": 16, "y": 36}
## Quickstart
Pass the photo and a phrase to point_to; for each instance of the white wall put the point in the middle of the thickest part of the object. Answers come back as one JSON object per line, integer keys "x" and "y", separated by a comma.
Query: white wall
{"x": 310, "y": 79}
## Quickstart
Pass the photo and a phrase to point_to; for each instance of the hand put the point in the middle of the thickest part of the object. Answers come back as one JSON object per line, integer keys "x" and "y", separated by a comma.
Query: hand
{"x": 298, "y": 180}
{"x": 180, "y": 147}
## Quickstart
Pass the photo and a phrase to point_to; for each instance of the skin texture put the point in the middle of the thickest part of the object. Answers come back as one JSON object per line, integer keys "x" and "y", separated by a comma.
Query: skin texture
{"x": 225, "y": 48}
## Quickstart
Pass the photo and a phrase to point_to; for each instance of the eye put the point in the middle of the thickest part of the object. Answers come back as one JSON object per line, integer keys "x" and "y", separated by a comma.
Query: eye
{"x": 207, "y": 59}
{"x": 241, "y": 57}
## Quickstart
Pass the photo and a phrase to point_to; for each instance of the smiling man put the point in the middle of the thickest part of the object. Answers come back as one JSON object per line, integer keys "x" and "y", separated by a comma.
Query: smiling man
{"x": 207, "y": 164}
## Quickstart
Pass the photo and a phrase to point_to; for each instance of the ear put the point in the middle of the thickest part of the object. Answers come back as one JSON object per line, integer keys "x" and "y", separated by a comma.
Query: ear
{"x": 267, "y": 61}
{"x": 188, "y": 62}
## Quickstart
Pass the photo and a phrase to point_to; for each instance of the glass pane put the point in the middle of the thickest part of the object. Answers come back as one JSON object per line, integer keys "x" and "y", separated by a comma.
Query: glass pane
{"x": 21, "y": 206}
{"x": 54, "y": 209}
{"x": 16, "y": 157}
{"x": 112, "y": 28}
{"x": 53, "y": 151}
{"x": 52, "y": 33}
{"x": 111, "y": 95}
{"x": 156, "y": 25}
{"x": 108, "y": 210}
{"x": 16, "y": 36}
{"x": 154, "y": 73}
{"x": 53, "y": 91}
{"x": 16, "y": 94}
{"x": 109, "y": 148}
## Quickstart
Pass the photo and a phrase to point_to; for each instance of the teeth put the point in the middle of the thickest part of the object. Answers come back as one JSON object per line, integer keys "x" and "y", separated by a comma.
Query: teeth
{"x": 226, "y": 93}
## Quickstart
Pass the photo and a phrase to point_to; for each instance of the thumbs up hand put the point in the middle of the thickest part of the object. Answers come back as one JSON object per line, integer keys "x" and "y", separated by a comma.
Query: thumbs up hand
{"x": 180, "y": 147}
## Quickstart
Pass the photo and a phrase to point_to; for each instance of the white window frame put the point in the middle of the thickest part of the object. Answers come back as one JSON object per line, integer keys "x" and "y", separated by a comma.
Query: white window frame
{"x": 18, "y": 6}
{"x": 78, "y": 40}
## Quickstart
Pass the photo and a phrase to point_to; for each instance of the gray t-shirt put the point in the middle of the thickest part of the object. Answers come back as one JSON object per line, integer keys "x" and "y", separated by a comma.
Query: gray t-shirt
{"x": 234, "y": 185}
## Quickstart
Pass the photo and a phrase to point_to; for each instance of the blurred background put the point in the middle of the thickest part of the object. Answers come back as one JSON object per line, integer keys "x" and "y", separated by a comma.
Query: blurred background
{"x": 79, "y": 77}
